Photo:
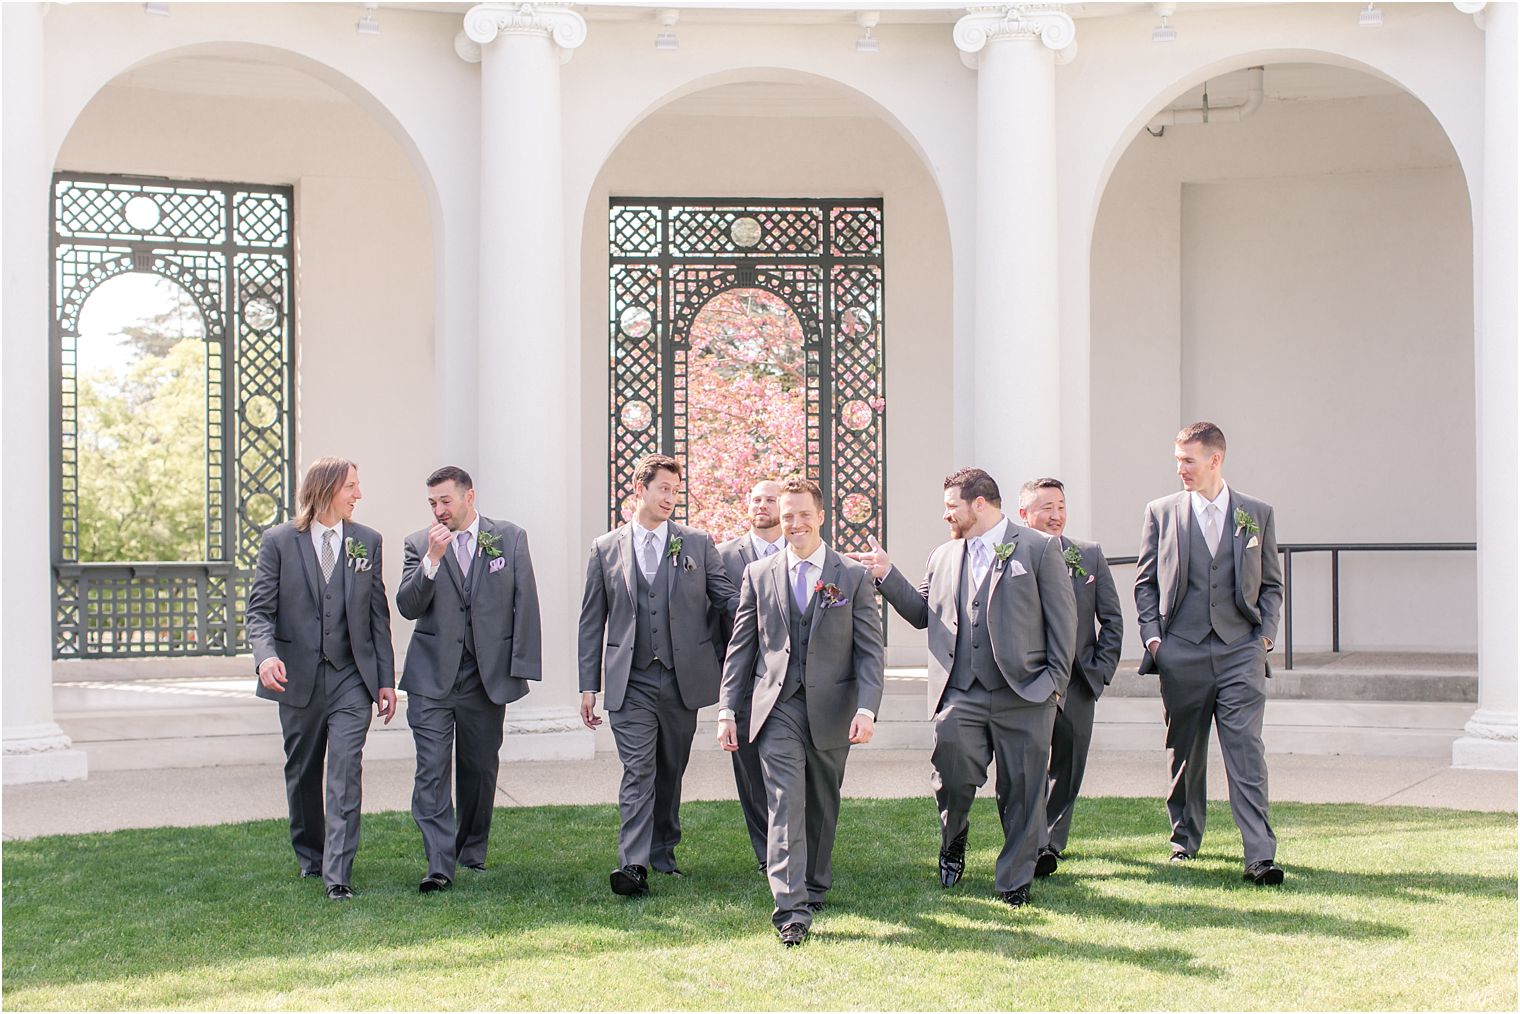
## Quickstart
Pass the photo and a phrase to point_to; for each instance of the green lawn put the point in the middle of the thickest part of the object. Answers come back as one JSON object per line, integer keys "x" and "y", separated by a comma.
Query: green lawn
{"x": 1383, "y": 908}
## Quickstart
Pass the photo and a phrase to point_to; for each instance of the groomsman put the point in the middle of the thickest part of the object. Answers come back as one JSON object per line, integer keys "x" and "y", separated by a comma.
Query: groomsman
{"x": 807, "y": 647}
{"x": 644, "y": 623}
{"x": 1100, "y": 637}
{"x": 474, "y": 649}
{"x": 998, "y": 603}
{"x": 762, "y": 540}
{"x": 320, "y": 627}
{"x": 1208, "y": 586}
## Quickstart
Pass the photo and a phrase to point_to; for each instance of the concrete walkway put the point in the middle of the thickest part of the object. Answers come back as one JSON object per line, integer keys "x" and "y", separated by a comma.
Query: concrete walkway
{"x": 183, "y": 797}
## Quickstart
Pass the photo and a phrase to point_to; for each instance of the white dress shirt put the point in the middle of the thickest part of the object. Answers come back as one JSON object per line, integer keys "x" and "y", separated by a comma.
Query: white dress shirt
{"x": 317, "y": 528}
{"x": 430, "y": 569}
{"x": 990, "y": 538}
{"x": 761, "y": 548}
{"x": 642, "y": 535}
{"x": 1201, "y": 506}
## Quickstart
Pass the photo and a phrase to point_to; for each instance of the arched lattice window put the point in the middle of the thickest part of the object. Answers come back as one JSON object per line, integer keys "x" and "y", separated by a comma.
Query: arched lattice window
{"x": 745, "y": 303}
{"x": 215, "y": 353}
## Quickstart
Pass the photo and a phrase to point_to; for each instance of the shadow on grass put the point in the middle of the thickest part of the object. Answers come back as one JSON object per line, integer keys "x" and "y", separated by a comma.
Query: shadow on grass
{"x": 99, "y": 907}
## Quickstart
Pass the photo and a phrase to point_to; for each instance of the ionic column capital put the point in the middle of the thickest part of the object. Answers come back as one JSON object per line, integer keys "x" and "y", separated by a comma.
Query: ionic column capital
{"x": 1045, "y": 23}
{"x": 484, "y": 22}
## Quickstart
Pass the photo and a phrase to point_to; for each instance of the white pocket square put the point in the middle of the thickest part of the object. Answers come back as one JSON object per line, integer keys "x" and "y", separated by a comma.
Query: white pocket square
{"x": 1090, "y": 579}
{"x": 1254, "y": 542}
{"x": 497, "y": 564}
{"x": 1015, "y": 568}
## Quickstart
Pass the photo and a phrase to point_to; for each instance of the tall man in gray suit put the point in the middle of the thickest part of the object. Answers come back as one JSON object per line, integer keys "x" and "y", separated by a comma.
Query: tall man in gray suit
{"x": 320, "y": 627}
{"x": 1002, "y": 622}
{"x": 644, "y": 624}
{"x": 474, "y": 649}
{"x": 807, "y": 647}
{"x": 761, "y": 541}
{"x": 1042, "y": 506}
{"x": 1208, "y": 587}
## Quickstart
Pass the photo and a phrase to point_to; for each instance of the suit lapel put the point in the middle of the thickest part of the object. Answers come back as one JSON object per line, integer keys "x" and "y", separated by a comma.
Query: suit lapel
{"x": 999, "y": 571}
{"x": 675, "y": 562}
{"x": 628, "y": 578}
{"x": 1182, "y": 519}
{"x": 478, "y": 560}
{"x": 1237, "y": 537}
{"x": 829, "y": 576}
{"x": 309, "y": 563}
{"x": 955, "y": 560}
{"x": 782, "y": 593}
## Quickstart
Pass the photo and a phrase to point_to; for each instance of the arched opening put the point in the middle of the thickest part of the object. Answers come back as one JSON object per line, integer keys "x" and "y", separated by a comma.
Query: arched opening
{"x": 1299, "y": 272}
{"x": 140, "y": 374}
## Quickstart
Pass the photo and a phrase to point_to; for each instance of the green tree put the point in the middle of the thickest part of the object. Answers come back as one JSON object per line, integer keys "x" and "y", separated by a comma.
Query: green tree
{"x": 142, "y": 452}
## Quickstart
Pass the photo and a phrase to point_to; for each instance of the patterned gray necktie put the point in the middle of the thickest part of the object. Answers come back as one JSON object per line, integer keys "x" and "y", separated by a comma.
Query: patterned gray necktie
{"x": 329, "y": 558}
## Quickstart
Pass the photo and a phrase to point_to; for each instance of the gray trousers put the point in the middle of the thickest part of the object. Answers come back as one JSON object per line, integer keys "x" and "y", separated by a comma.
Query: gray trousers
{"x": 972, "y": 728}
{"x": 1223, "y": 684}
{"x": 802, "y": 786}
{"x": 749, "y": 781}
{"x": 1069, "y": 741}
{"x": 653, "y": 731}
{"x": 332, "y": 728}
{"x": 470, "y": 720}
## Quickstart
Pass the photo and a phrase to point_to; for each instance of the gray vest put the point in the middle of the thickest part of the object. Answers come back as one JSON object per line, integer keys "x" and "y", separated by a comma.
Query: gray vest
{"x": 337, "y": 646}
{"x": 800, "y": 622}
{"x": 1208, "y": 601}
{"x": 651, "y": 628}
{"x": 974, "y": 662}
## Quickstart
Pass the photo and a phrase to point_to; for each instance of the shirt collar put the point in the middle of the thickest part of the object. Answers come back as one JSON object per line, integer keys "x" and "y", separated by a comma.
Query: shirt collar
{"x": 1201, "y": 503}
{"x": 759, "y": 545}
{"x": 474, "y": 530}
{"x": 819, "y": 555}
{"x": 318, "y": 528}
{"x": 661, "y": 533}
{"x": 992, "y": 536}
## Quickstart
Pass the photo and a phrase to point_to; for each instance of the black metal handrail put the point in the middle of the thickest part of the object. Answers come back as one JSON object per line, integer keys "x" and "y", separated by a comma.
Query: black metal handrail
{"x": 1335, "y": 549}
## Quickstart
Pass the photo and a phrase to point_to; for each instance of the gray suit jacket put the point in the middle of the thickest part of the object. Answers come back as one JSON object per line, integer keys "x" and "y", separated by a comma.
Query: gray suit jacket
{"x": 843, "y": 670}
{"x": 1098, "y": 645}
{"x": 1032, "y": 616}
{"x": 1161, "y": 574}
{"x": 698, "y": 581}
{"x": 503, "y": 616}
{"x": 284, "y": 614}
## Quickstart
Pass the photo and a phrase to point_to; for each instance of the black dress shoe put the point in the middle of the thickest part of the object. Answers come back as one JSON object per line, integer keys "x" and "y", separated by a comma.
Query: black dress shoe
{"x": 814, "y": 906}
{"x": 792, "y": 934}
{"x": 434, "y": 882}
{"x": 1181, "y": 856}
{"x": 952, "y": 861}
{"x": 1016, "y": 898}
{"x": 630, "y": 881}
{"x": 761, "y": 867}
{"x": 310, "y": 873}
{"x": 674, "y": 872}
{"x": 1263, "y": 873}
{"x": 1046, "y": 862}
{"x": 339, "y": 892}
{"x": 477, "y": 867}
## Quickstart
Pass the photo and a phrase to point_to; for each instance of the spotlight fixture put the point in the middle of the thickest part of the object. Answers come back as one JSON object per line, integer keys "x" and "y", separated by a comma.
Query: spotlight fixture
{"x": 666, "y": 41}
{"x": 867, "y": 43}
{"x": 1372, "y": 17}
{"x": 160, "y": 10}
{"x": 368, "y": 25}
{"x": 1164, "y": 32}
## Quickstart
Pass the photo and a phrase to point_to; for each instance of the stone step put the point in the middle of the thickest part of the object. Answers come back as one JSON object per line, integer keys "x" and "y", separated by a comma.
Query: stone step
{"x": 1346, "y": 676}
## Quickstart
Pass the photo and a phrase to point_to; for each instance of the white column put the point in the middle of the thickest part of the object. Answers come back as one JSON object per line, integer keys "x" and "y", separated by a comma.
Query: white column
{"x": 36, "y": 749}
{"x": 1489, "y": 739}
{"x": 527, "y": 467}
{"x": 1016, "y": 395}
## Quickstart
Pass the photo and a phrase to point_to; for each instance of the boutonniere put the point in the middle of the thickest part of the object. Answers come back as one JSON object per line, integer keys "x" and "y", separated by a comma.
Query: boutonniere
{"x": 490, "y": 545}
{"x": 1245, "y": 523}
{"x": 1004, "y": 552}
{"x": 674, "y": 549}
{"x": 1073, "y": 558}
{"x": 832, "y": 596}
{"x": 357, "y": 553}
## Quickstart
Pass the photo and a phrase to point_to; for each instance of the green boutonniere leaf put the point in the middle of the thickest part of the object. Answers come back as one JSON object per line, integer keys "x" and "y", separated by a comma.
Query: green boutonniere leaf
{"x": 1245, "y": 523}
{"x": 675, "y": 548}
{"x": 1073, "y": 558}
{"x": 1003, "y": 551}
{"x": 355, "y": 549}
{"x": 490, "y": 544}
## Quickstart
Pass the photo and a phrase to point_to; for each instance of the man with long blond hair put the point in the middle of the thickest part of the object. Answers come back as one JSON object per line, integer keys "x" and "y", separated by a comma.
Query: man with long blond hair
{"x": 320, "y": 627}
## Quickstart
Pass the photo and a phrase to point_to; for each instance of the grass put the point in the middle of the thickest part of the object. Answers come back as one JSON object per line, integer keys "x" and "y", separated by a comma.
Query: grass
{"x": 1383, "y": 908}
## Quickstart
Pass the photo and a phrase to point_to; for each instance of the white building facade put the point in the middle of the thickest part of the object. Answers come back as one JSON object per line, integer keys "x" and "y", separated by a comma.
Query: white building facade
{"x": 1075, "y": 264}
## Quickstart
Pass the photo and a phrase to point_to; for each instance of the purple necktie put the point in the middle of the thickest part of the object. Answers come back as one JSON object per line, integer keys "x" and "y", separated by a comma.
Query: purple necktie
{"x": 462, "y": 551}
{"x": 800, "y": 589}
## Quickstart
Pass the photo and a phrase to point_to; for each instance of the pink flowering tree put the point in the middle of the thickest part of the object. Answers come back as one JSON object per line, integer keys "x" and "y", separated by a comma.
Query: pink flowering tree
{"x": 746, "y": 405}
